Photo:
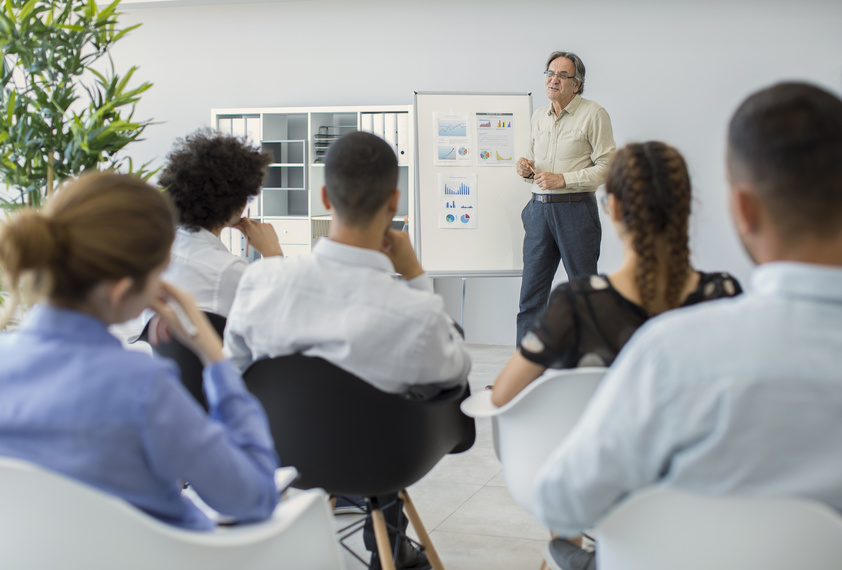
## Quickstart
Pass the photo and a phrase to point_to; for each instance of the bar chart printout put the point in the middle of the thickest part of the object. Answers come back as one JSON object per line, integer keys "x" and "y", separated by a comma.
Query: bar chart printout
{"x": 457, "y": 201}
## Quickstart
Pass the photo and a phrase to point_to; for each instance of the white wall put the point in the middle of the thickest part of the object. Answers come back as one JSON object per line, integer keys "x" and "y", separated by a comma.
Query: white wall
{"x": 663, "y": 69}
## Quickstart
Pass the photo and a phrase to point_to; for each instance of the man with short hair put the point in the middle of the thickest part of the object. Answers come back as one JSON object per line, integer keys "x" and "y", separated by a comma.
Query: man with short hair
{"x": 342, "y": 302}
{"x": 572, "y": 142}
{"x": 740, "y": 396}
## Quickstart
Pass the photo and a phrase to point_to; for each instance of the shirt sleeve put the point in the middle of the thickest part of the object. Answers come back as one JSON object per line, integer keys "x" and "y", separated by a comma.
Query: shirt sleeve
{"x": 228, "y": 457}
{"x": 444, "y": 359}
{"x": 601, "y": 138}
{"x": 229, "y": 278}
{"x": 551, "y": 340}
{"x": 530, "y": 154}
{"x": 622, "y": 442}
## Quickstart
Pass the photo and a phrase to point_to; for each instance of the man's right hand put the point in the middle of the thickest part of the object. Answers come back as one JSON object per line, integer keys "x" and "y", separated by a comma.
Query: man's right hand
{"x": 397, "y": 247}
{"x": 525, "y": 168}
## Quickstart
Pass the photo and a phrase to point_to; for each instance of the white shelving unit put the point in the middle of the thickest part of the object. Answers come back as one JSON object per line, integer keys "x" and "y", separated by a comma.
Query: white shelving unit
{"x": 298, "y": 138}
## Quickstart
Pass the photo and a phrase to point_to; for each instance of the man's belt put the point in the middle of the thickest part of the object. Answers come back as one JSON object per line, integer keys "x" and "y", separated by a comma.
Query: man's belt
{"x": 570, "y": 197}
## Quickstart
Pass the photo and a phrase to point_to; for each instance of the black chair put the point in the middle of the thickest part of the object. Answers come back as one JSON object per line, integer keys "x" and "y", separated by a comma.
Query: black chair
{"x": 349, "y": 438}
{"x": 189, "y": 365}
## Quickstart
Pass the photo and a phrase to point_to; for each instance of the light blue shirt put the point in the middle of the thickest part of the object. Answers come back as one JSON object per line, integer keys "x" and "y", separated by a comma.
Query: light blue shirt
{"x": 74, "y": 401}
{"x": 742, "y": 395}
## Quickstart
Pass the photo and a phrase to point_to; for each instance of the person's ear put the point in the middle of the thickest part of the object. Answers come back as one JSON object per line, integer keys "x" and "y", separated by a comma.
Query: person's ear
{"x": 393, "y": 201}
{"x": 118, "y": 291}
{"x": 325, "y": 199}
{"x": 614, "y": 210}
{"x": 746, "y": 209}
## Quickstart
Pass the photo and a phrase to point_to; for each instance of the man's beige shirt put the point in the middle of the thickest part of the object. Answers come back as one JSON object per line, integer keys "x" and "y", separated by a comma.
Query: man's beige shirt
{"x": 577, "y": 144}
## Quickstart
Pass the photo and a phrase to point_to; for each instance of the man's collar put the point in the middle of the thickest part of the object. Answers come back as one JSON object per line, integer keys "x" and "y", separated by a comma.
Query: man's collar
{"x": 570, "y": 107}
{"x": 801, "y": 280}
{"x": 352, "y": 255}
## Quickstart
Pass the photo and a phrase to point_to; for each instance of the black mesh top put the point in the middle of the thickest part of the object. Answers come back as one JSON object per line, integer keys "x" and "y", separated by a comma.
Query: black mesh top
{"x": 587, "y": 321}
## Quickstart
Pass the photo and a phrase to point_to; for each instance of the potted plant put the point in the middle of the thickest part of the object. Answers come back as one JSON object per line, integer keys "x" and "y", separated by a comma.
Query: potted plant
{"x": 64, "y": 108}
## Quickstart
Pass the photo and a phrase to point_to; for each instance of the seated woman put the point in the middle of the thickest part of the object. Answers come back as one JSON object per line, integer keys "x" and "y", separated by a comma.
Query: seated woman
{"x": 210, "y": 176}
{"x": 74, "y": 401}
{"x": 588, "y": 320}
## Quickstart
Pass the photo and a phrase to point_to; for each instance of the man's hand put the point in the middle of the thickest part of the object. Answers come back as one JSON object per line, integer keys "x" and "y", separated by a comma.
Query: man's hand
{"x": 549, "y": 181}
{"x": 396, "y": 245}
{"x": 262, "y": 237}
{"x": 524, "y": 167}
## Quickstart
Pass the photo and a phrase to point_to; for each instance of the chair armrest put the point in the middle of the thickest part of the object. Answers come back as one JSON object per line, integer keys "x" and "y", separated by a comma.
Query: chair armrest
{"x": 285, "y": 477}
{"x": 480, "y": 405}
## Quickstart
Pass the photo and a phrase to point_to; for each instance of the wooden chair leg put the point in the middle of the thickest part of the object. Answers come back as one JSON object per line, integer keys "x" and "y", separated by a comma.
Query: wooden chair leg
{"x": 423, "y": 537}
{"x": 381, "y": 535}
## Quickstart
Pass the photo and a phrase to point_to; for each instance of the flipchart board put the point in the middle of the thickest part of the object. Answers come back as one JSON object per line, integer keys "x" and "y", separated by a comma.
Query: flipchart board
{"x": 468, "y": 198}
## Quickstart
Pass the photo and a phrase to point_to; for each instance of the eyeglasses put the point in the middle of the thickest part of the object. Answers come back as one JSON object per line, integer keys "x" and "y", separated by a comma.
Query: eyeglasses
{"x": 562, "y": 75}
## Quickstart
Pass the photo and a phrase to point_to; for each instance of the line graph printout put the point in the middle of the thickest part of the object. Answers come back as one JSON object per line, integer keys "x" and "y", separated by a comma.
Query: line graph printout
{"x": 454, "y": 141}
{"x": 457, "y": 201}
{"x": 495, "y": 139}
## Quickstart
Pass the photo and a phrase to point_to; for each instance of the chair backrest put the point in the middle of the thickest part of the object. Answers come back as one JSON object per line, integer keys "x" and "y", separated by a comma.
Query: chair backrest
{"x": 528, "y": 428}
{"x": 188, "y": 363}
{"x": 661, "y": 528}
{"x": 350, "y": 438}
{"x": 50, "y": 521}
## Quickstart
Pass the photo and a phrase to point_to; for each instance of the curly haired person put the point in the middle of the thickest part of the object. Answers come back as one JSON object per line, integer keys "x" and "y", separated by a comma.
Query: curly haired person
{"x": 210, "y": 176}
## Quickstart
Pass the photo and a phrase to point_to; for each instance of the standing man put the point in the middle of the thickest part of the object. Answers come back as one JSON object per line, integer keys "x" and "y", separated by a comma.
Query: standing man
{"x": 572, "y": 142}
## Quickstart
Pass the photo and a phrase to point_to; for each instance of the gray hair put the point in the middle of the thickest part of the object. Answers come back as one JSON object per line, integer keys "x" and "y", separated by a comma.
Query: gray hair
{"x": 579, "y": 77}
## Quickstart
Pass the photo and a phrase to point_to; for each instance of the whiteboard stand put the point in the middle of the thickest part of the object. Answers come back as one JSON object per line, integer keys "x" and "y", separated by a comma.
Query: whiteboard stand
{"x": 464, "y": 277}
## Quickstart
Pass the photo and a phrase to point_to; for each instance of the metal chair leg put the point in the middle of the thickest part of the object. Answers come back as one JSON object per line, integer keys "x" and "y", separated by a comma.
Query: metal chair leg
{"x": 423, "y": 537}
{"x": 381, "y": 535}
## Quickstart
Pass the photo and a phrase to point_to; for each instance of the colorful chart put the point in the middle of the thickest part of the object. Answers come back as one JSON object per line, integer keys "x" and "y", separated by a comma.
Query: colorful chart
{"x": 447, "y": 153}
{"x": 450, "y": 218}
{"x": 463, "y": 151}
{"x": 464, "y": 190}
{"x": 465, "y": 218}
{"x": 485, "y": 155}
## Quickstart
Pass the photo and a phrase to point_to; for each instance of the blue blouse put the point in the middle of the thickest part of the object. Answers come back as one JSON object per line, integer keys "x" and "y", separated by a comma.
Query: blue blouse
{"x": 74, "y": 401}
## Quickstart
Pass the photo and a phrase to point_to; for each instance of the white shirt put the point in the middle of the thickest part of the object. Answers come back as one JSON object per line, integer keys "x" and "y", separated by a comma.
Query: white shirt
{"x": 742, "y": 395}
{"x": 343, "y": 304}
{"x": 202, "y": 266}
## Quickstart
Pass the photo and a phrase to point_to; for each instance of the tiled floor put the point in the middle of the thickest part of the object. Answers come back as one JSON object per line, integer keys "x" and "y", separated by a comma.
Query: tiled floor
{"x": 463, "y": 501}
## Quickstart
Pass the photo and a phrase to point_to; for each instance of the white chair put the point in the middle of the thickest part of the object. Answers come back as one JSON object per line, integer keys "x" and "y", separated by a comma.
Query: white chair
{"x": 529, "y": 427}
{"x": 50, "y": 521}
{"x": 666, "y": 529}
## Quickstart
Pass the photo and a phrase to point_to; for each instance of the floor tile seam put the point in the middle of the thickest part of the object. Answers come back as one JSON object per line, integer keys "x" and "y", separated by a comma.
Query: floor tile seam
{"x": 462, "y": 504}
{"x": 485, "y": 535}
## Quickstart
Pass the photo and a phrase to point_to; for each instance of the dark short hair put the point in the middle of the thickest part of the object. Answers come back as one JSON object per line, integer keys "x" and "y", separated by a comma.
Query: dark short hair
{"x": 786, "y": 140}
{"x": 210, "y": 176}
{"x": 361, "y": 173}
{"x": 577, "y": 65}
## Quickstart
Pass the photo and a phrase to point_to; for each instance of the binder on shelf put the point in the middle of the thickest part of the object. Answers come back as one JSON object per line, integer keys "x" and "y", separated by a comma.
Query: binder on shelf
{"x": 377, "y": 127}
{"x": 390, "y": 130}
{"x": 367, "y": 122}
{"x": 403, "y": 139}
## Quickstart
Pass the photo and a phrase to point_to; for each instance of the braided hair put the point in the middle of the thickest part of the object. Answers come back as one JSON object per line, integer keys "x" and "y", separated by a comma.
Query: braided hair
{"x": 652, "y": 186}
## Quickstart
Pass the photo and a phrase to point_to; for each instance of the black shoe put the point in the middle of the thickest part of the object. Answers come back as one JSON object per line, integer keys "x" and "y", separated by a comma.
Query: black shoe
{"x": 567, "y": 556}
{"x": 410, "y": 557}
{"x": 349, "y": 506}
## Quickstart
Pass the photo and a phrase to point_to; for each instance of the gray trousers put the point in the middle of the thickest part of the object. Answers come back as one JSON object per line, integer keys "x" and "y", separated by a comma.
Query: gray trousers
{"x": 569, "y": 232}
